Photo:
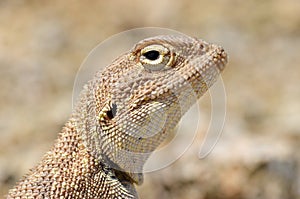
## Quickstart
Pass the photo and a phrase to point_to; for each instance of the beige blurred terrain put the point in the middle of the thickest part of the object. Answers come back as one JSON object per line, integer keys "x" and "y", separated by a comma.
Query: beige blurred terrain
{"x": 43, "y": 43}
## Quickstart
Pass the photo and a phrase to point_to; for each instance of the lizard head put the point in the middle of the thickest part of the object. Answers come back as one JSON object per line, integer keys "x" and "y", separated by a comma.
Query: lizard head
{"x": 138, "y": 99}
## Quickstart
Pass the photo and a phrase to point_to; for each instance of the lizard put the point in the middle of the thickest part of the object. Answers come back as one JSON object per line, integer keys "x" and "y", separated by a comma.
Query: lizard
{"x": 123, "y": 114}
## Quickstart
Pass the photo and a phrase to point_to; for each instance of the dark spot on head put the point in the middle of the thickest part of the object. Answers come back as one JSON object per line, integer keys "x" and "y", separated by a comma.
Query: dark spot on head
{"x": 112, "y": 112}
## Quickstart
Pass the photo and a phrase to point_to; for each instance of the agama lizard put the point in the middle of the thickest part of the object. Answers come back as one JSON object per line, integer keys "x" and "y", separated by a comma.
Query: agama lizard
{"x": 122, "y": 116}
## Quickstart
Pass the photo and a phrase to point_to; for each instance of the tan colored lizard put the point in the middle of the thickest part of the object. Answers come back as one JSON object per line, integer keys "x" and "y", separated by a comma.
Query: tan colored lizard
{"x": 123, "y": 114}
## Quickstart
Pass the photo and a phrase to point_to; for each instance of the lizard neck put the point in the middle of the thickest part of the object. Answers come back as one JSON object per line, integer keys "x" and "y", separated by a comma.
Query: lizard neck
{"x": 86, "y": 124}
{"x": 71, "y": 170}
{"x": 94, "y": 140}
{"x": 64, "y": 168}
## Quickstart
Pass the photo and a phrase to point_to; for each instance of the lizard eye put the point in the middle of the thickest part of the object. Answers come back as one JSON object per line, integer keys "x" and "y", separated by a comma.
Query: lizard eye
{"x": 155, "y": 57}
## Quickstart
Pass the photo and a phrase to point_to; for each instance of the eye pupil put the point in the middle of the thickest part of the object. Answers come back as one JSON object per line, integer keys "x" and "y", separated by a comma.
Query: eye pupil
{"x": 152, "y": 55}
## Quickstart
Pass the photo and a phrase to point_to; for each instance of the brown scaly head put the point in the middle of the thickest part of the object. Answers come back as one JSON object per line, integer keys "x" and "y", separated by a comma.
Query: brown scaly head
{"x": 137, "y": 100}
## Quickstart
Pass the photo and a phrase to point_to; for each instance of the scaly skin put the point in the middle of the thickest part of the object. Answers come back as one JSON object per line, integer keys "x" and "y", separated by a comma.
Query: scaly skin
{"x": 123, "y": 114}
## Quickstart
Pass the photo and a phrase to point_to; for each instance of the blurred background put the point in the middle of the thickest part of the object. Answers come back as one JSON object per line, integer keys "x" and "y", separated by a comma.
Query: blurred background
{"x": 43, "y": 43}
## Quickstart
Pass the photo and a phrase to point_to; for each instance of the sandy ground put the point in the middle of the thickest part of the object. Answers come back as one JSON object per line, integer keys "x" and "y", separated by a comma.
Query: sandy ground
{"x": 42, "y": 45}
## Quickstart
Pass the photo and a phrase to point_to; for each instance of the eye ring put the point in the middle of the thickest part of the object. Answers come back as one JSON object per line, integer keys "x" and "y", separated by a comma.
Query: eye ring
{"x": 155, "y": 57}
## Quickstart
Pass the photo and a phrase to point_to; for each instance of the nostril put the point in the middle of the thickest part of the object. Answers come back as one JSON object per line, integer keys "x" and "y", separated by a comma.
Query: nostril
{"x": 201, "y": 46}
{"x": 223, "y": 59}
